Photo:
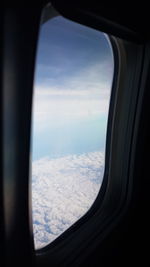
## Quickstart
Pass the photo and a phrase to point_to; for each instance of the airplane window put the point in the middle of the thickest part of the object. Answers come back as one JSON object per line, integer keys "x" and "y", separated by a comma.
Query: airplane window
{"x": 72, "y": 87}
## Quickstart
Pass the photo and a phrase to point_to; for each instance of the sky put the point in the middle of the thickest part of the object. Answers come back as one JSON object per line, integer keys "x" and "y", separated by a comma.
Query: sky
{"x": 72, "y": 87}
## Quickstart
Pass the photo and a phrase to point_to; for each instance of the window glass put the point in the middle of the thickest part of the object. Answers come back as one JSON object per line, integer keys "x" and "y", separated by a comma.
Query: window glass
{"x": 73, "y": 78}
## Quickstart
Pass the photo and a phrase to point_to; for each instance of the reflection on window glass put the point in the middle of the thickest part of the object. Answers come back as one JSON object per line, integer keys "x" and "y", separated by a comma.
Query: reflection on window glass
{"x": 73, "y": 78}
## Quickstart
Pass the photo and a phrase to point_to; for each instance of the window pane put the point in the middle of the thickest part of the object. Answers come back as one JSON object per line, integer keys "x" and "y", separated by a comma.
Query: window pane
{"x": 73, "y": 79}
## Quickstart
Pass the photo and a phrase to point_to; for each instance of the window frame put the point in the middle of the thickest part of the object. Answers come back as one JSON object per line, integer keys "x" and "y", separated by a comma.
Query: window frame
{"x": 114, "y": 196}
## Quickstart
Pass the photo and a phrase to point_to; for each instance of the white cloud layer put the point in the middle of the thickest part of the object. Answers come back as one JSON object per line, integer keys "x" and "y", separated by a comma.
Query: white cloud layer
{"x": 86, "y": 91}
{"x": 63, "y": 190}
{"x": 55, "y": 105}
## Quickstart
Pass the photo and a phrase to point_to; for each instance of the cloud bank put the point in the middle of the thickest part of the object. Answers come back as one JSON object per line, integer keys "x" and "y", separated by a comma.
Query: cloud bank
{"x": 63, "y": 190}
{"x": 83, "y": 93}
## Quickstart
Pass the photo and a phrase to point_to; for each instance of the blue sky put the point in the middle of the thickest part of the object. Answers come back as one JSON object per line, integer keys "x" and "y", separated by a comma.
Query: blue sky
{"x": 73, "y": 78}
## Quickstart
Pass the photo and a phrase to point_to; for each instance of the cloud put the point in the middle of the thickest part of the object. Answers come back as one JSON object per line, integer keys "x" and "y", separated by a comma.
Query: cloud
{"x": 54, "y": 104}
{"x": 63, "y": 190}
{"x": 84, "y": 92}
